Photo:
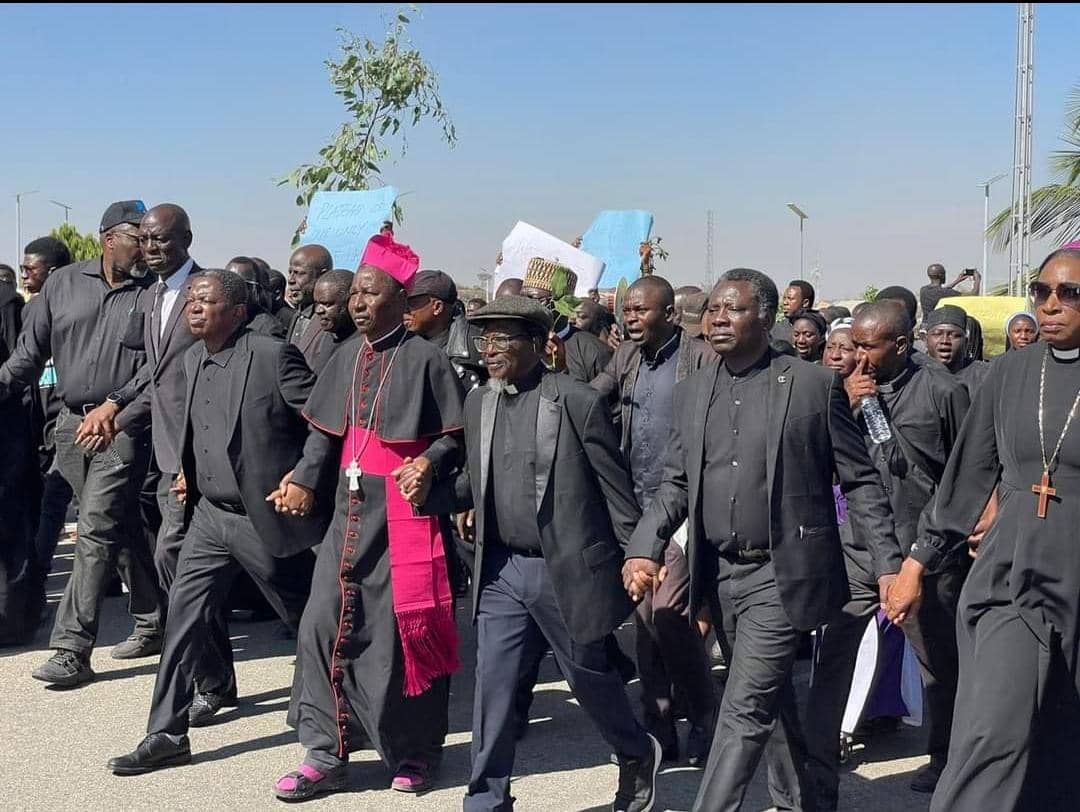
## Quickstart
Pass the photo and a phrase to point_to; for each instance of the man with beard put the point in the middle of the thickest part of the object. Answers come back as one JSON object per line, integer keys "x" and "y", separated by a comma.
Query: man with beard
{"x": 82, "y": 319}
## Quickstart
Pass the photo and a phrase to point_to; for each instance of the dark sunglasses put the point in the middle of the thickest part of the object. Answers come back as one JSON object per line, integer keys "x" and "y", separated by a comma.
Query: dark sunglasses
{"x": 1068, "y": 293}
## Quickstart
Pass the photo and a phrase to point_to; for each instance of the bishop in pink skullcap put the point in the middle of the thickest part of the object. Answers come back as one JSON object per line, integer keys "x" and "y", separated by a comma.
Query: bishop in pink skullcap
{"x": 1071, "y": 246}
{"x": 395, "y": 259}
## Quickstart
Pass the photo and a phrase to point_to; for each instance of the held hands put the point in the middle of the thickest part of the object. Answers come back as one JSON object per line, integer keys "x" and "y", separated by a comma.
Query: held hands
{"x": 859, "y": 385}
{"x": 414, "y": 479}
{"x": 179, "y": 488}
{"x": 291, "y": 498}
{"x": 466, "y": 526}
{"x": 640, "y": 575}
{"x": 905, "y": 593}
{"x": 98, "y": 428}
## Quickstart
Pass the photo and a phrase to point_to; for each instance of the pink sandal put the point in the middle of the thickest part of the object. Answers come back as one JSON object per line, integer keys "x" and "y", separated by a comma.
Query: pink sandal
{"x": 411, "y": 776}
{"x": 307, "y": 782}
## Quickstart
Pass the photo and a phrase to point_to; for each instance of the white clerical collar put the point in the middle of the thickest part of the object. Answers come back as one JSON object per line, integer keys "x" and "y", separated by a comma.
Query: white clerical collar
{"x": 1065, "y": 355}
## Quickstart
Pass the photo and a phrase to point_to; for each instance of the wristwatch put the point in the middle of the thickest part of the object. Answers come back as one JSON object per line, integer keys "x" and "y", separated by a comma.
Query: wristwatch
{"x": 115, "y": 399}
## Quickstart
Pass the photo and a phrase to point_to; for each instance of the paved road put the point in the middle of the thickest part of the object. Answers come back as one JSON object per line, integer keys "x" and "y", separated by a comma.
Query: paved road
{"x": 54, "y": 744}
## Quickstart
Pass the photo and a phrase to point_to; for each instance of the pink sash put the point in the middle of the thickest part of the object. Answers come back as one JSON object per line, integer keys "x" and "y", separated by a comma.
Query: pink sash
{"x": 420, "y": 585}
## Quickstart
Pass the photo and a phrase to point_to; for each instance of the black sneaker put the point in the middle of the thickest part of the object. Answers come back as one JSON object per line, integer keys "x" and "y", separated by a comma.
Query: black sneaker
{"x": 68, "y": 669}
{"x": 136, "y": 647}
{"x": 637, "y": 781}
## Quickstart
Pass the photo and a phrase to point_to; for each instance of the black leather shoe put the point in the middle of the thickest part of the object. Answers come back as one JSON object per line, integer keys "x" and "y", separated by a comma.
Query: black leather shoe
{"x": 637, "y": 781}
{"x": 698, "y": 744}
{"x": 155, "y": 752}
{"x": 205, "y": 706}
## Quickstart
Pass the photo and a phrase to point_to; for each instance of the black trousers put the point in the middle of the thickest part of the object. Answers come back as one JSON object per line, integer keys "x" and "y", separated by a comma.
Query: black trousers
{"x": 517, "y": 611}
{"x": 110, "y": 535}
{"x": 56, "y": 495}
{"x": 218, "y": 544}
{"x": 834, "y": 666}
{"x": 758, "y": 715}
{"x": 671, "y": 653}
{"x": 215, "y": 674}
{"x": 931, "y": 630}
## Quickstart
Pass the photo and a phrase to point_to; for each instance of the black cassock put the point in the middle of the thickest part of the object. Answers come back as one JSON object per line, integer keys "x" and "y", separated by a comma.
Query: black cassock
{"x": 20, "y": 585}
{"x": 1018, "y": 624}
{"x": 348, "y": 691}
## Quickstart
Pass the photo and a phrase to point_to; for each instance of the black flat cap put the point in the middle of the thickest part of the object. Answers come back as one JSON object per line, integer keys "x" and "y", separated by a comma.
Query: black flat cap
{"x": 126, "y": 211}
{"x": 521, "y": 308}
{"x": 436, "y": 284}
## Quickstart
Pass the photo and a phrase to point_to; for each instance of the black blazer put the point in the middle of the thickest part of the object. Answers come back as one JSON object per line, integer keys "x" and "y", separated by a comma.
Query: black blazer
{"x": 811, "y": 436}
{"x": 269, "y": 384}
{"x": 586, "y": 508}
{"x": 157, "y": 392}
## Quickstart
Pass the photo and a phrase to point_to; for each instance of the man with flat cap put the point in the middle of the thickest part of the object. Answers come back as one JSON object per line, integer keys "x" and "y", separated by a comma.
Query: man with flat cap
{"x": 554, "y": 508}
{"x": 436, "y": 313}
{"x": 378, "y": 641}
{"x": 82, "y": 319}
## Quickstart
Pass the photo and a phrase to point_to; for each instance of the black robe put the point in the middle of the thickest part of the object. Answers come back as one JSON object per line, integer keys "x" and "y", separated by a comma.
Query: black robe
{"x": 348, "y": 692}
{"x": 21, "y": 592}
{"x": 1028, "y": 568}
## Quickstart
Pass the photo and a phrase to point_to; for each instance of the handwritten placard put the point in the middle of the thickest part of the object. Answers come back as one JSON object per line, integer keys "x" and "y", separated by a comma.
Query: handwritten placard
{"x": 526, "y": 241}
{"x": 616, "y": 237}
{"x": 343, "y": 222}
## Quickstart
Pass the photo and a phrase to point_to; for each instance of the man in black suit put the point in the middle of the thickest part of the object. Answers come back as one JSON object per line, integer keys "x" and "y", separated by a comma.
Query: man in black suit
{"x": 242, "y": 431}
{"x": 755, "y": 443}
{"x": 553, "y": 509}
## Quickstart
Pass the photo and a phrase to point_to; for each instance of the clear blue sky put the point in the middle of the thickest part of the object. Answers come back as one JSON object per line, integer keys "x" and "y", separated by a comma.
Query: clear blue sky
{"x": 879, "y": 122}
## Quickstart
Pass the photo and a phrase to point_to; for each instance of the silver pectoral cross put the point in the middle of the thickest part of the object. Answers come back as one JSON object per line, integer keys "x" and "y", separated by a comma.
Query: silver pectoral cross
{"x": 354, "y": 473}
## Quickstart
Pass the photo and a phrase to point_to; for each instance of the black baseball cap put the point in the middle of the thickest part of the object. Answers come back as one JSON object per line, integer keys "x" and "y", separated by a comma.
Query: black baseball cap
{"x": 435, "y": 284}
{"x": 126, "y": 211}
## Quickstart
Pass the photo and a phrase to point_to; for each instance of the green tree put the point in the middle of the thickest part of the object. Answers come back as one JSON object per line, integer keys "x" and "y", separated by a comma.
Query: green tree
{"x": 386, "y": 88}
{"x": 870, "y": 293}
{"x": 1055, "y": 208}
{"x": 81, "y": 246}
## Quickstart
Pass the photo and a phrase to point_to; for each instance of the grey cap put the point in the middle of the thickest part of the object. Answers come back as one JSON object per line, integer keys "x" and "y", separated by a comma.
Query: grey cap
{"x": 126, "y": 211}
{"x": 434, "y": 283}
{"x": 514, "y": 307}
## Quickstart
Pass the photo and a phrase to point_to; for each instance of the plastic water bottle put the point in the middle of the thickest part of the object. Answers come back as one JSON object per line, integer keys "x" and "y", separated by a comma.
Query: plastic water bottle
{"x": 875, "y": 420}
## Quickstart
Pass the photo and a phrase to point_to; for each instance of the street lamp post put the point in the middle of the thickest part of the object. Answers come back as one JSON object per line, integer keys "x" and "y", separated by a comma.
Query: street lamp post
{"x": 18, "y": 228}
{"x": 986, "y": 225}
{"x": 802, "y": 216}
{"x": 64, "y": 206}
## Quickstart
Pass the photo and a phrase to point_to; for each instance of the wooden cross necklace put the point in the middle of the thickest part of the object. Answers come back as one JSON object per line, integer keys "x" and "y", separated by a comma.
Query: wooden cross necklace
{"x": 1043, "y": 489}
{"x": 353, "y": 472}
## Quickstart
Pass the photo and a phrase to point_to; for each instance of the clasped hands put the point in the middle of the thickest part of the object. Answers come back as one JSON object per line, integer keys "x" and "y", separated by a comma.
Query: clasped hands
{"x": 641, "y": 576}
{"x": 98, "y": 428}
{"x": 291, "y": 498}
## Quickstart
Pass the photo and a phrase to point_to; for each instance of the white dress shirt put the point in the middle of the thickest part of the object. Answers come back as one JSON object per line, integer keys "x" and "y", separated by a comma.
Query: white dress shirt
{"x": 174, "y": 285}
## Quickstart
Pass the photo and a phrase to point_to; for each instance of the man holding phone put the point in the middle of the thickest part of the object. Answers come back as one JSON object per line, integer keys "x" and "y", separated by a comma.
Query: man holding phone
{"x": 930, "y": 295}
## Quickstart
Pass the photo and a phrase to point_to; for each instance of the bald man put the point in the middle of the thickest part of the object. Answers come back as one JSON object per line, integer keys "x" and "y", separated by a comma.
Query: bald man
{"x": 306, "y": 265}
{"x": 930, "y": 295}
{"x": 925, "y": 407}
{"x": 509, "y": 287}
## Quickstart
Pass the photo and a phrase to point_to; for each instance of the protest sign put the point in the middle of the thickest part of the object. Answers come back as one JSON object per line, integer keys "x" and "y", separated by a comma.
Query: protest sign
{"x": 343, "y": 222}
{"x": 525, "y": 242}
{"x": 615, "y": 237}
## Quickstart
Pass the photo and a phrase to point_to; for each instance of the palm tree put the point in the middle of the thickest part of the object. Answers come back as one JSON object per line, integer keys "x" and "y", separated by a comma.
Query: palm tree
{"x": 1055, "y": 208}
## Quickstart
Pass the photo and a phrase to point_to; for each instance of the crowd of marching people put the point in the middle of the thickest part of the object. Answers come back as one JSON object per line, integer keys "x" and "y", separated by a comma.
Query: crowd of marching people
{"x": 374, "y": 461}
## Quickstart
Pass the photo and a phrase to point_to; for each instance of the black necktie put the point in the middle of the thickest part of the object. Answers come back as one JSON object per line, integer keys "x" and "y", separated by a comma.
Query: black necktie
{"x": 155, "y": 317}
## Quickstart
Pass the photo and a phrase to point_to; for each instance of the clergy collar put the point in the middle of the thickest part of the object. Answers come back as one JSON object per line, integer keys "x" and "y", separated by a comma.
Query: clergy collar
{"x": 389, "y": 340}
{"x": 526, "y": 384}
{"x": 897, "y": 383}
{"x": 1065, "y": 355}
{"x": 668, "y": 349}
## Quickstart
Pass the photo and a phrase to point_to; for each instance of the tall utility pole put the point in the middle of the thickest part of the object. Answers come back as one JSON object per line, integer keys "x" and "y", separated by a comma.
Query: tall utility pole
{"x": 1020, "y": 242}
{"x": 710, "y": 268}
{"x": 64, "y": 206}
{"x": 985, "y": 185}
{"x": 18, "y": 227}
{"x": 803, "y": 216}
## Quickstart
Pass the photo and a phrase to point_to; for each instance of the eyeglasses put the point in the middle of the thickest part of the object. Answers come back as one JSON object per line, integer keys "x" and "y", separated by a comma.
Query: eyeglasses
{"x": 496, "y": 343}
{"x": 1068, "y": 293}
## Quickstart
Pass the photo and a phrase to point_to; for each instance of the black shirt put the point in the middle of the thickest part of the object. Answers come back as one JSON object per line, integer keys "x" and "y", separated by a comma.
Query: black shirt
{"x": 83, "y": 324}
{"x": 209, "y": 432}
{"x": 930, "y": 295}
{"x": 512, "y": 495}
{"x": 735, "y": 508}
{"x": 650, "y": 418}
